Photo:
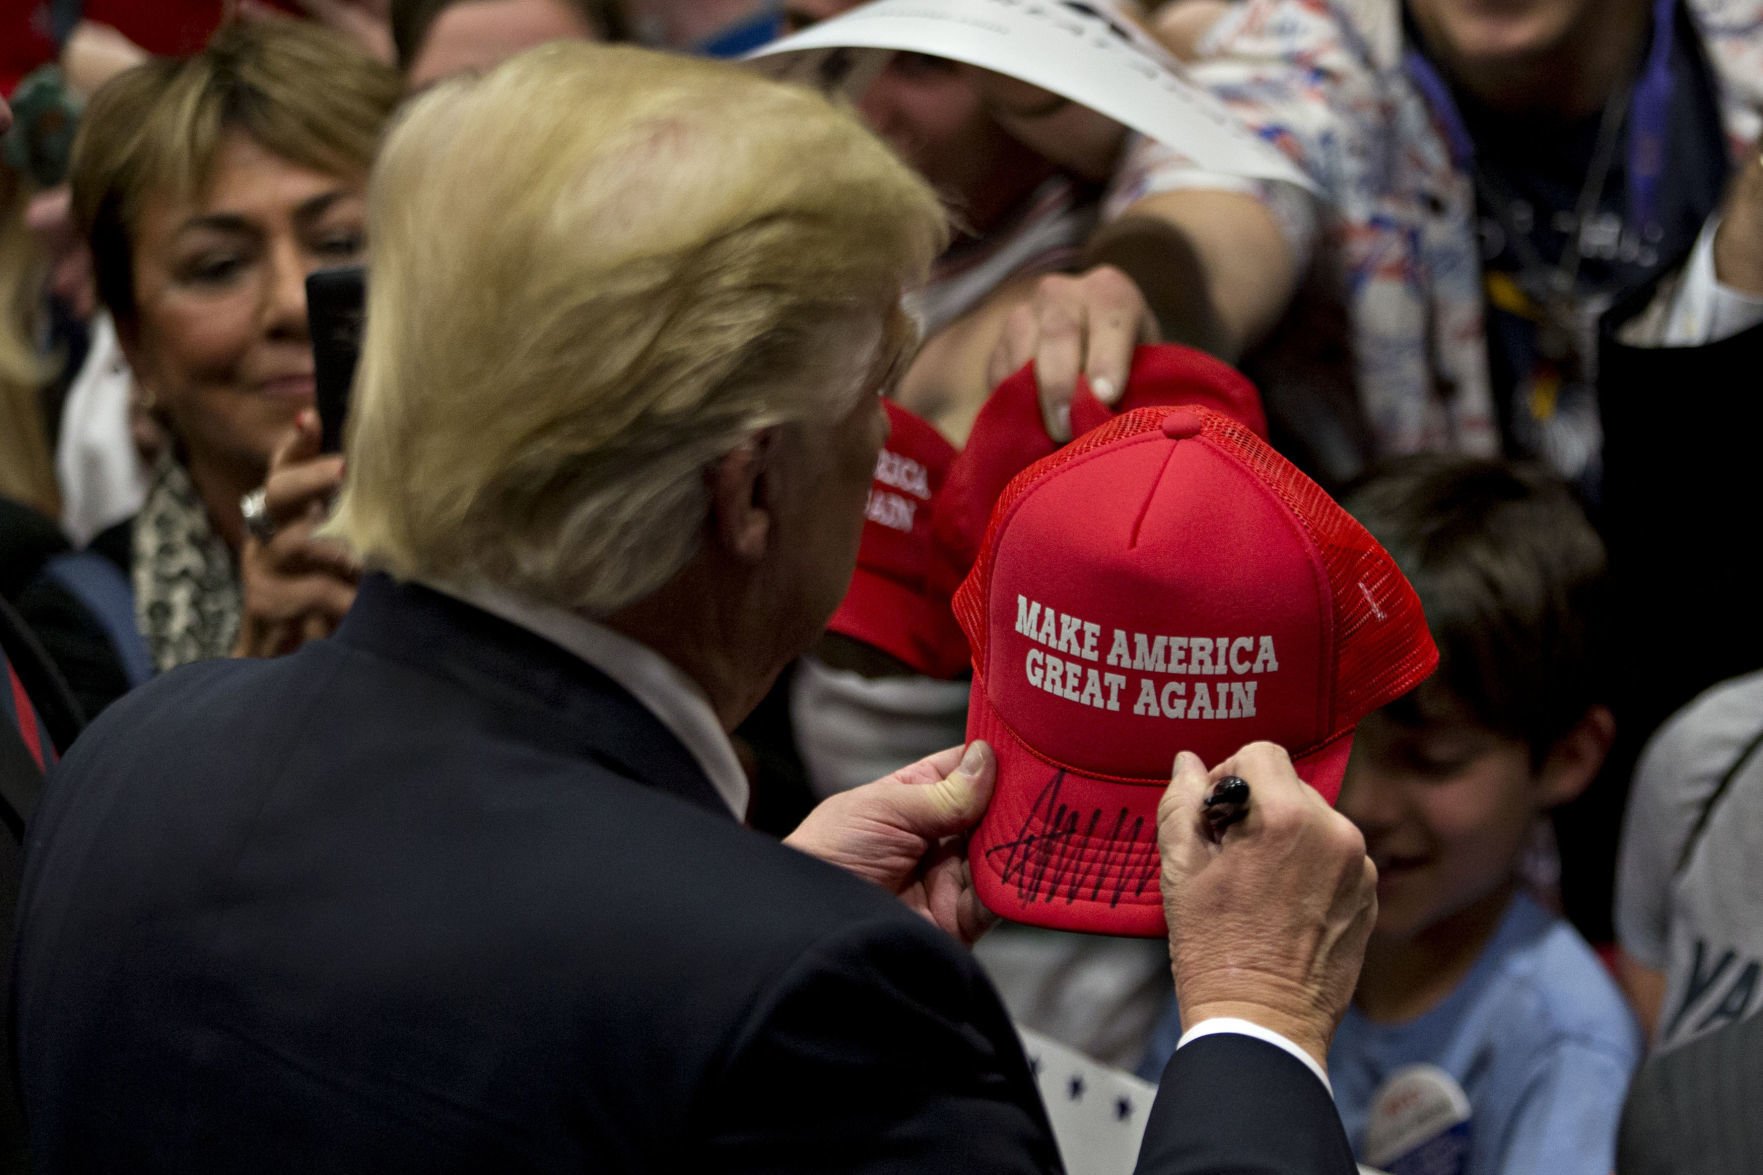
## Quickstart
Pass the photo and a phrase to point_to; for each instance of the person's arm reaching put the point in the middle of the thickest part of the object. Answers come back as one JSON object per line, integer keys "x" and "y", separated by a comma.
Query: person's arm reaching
{"x": 1216, "y": 268}
{"x": 1209, "y": 268}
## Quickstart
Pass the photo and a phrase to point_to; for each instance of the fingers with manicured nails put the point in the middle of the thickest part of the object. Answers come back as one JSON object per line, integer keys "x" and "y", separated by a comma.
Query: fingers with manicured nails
{"x": 1059, "y": 353}
{"x": 296, "y": 585}
{"x": 296, "y": 549}
{"x": 292, "y": 492}
{"x": 1022, "y": 331}
{"x": 1118, "y": 319}
{"x": 300, "y": 479}
{"x": 299, "y": 443}
{"x": 1089, "y": 325}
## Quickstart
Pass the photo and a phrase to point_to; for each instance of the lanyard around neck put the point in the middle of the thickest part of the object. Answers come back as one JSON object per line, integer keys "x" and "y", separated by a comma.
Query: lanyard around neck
{"x": 1648, "y": 125}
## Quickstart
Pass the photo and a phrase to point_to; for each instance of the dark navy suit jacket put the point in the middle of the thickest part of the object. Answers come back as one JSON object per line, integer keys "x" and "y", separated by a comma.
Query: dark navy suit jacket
{"x": 435, "y": 895}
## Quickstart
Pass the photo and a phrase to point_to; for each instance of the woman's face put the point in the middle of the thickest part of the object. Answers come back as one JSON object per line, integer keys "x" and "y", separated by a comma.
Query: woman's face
{"x": 219, "y": 339}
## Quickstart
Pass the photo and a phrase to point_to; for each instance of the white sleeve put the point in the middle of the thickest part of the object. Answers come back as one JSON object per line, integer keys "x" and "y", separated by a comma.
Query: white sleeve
{"x": 1698, "y": 309}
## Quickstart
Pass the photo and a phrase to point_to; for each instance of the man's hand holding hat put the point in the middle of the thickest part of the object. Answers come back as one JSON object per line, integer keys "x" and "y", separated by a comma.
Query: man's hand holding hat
{"x": 906, "y": 834}
{"x": 1266, "y": 924}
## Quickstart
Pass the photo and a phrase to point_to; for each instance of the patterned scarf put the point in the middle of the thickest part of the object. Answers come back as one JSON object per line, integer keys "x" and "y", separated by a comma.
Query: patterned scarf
{"x": 186, "y": 585}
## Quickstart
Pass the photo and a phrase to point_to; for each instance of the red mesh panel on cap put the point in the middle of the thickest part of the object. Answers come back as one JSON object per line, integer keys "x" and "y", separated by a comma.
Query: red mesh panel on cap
{"x": 1382, "y": 647}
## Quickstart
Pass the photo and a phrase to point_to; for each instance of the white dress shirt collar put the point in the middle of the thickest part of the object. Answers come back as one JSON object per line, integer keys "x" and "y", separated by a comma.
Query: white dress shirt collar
{"x": 659, "y": 685}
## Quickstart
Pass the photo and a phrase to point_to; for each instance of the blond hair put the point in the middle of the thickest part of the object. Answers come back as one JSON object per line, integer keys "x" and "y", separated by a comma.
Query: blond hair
{"x": 596, "y": 271}
{"x": 299, "y": 91}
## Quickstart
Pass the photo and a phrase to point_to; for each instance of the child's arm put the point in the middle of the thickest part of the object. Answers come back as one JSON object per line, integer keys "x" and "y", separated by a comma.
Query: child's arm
{"x": 1564, "y": 1118}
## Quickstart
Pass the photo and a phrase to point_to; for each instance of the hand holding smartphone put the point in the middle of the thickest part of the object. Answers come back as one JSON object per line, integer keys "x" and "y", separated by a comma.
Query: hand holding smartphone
{"x": 336, "y": 303}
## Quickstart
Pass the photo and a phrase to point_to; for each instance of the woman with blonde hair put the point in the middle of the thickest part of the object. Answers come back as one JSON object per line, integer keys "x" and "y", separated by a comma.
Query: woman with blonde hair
{"x": 208, "y": 189}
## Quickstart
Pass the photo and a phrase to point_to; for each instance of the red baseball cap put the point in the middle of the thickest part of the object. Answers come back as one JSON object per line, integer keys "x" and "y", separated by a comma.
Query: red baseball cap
{"x": 1008, "y": 436}
{"x": 891, "y": 603}
{"x": 1167, "y": 582}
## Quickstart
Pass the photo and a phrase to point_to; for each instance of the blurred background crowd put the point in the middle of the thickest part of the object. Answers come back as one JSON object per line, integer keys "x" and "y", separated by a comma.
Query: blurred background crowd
{"x": 1509, "y": 324}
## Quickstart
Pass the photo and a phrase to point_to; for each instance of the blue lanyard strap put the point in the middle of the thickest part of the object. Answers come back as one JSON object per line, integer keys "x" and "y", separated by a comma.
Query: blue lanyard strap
{"x": 745, "y": 35}
{"x": 1650, "y": 119}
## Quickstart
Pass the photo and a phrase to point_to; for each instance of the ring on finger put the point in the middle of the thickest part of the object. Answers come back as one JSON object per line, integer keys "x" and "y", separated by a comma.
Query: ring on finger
{"x": 255, "y": 508}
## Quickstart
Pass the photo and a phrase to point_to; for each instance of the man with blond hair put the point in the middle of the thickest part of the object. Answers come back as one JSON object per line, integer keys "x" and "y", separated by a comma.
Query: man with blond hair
{"x": 464, "y": 888}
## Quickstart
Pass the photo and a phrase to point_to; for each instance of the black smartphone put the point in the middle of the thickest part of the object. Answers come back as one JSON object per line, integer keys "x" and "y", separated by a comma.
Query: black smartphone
{"x": 336, "y": 301}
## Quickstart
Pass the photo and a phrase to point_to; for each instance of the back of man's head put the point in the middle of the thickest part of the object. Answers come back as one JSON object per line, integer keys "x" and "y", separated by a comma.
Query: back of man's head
{"x": 1512, "y": 578}
{"x": 596, "y": 271}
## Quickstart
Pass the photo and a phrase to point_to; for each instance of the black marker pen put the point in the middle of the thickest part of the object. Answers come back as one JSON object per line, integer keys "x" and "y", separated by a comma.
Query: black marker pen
{"x": 1226, "y": 804}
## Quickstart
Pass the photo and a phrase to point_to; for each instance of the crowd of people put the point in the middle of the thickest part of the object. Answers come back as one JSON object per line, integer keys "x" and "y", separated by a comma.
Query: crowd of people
{"x": 495, "y": 792}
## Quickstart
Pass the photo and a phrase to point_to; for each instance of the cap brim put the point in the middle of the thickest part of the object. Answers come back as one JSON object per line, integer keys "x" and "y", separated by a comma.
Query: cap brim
{"x": 1068, "y": 851}
{"x": 885, "y": 613}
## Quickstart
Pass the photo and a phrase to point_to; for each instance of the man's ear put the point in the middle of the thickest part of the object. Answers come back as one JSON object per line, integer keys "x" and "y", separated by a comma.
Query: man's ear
{"x": 1575, "y": 758}
{"x": 740, "y": 507}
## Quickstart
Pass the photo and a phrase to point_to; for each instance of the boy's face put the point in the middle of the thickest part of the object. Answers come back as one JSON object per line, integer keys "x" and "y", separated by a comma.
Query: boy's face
{"x": 1446, "y": 808}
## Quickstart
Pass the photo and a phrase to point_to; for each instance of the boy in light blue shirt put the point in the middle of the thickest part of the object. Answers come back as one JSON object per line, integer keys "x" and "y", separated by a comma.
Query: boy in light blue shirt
{"x": 1485, "y": 1037}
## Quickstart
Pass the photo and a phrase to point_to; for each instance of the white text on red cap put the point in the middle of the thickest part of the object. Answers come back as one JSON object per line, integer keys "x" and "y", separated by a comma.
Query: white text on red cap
{"x": 1248, "y": 657}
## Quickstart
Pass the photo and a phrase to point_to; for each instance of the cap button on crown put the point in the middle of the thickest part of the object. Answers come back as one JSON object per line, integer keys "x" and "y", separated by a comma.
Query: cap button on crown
{"x": 1181, "y": 423}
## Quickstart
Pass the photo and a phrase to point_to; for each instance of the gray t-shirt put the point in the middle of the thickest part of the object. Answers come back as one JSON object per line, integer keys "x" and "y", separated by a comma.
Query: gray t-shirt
{"x": 1689, "y": 893}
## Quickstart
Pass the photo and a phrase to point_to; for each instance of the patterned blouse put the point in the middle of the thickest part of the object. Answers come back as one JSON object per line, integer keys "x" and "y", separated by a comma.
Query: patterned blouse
{"x": 1324, "y": 80}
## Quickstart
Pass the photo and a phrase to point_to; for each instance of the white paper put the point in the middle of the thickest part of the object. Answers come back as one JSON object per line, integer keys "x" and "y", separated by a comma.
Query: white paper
{"x": 1085, "y": 52}
{"x": 1098, "y": 1113}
